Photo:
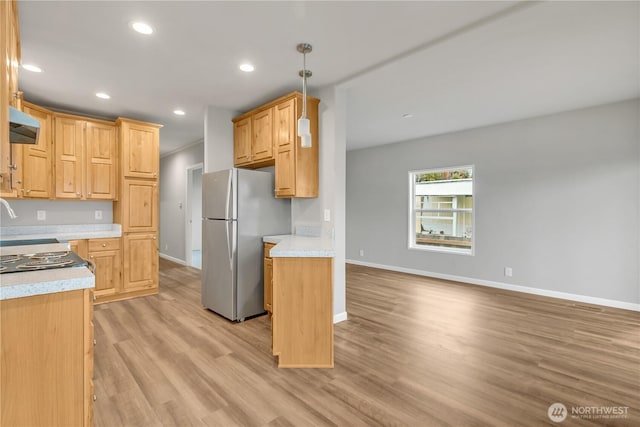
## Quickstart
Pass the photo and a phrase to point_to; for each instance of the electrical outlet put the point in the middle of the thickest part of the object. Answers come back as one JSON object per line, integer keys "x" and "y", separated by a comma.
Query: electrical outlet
{"x": 41, "y": 215}
{"x": 361, "y": 252}
{"x": 508, "y": 271}
{"x": 327, "y": 215}
{"x": 166, "y": 247}
{"x": 98, "y": 214}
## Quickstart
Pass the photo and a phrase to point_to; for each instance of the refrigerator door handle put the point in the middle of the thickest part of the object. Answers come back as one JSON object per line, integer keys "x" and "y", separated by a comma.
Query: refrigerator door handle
{"x": 229, "y": 248}
{"x": 229, "y": 195}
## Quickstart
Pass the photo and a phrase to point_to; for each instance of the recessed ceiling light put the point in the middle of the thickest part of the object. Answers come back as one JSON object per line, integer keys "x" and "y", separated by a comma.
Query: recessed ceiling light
{"x": 179, "y": 112}
{"x": 407, "y": 115}
{"x": 103, "y": 95}
{"x": 31, "y": 67}
{"x": 142, "y": 28}
{"x": 247, "y": 68}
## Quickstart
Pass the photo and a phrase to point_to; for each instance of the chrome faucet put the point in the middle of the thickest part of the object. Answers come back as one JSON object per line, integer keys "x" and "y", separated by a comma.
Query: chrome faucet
{"x": 12, "y": 214}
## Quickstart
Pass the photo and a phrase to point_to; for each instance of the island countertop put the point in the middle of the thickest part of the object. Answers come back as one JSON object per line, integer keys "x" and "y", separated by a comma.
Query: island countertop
{"x": 40, "y": 282}
{"x": 296, "y": 246}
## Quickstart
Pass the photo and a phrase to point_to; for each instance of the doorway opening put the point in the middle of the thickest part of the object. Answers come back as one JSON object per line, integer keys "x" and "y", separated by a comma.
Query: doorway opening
{"x": 193, "y": 216}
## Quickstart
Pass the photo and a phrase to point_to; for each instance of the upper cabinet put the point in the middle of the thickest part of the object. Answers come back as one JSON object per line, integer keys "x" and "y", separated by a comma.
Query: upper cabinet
{"x": 85, "y": 158}
{"x": 140, "y": 148}
{"x": 37, "y": 174}
{"x": 10, "y": 59}
{"x": 268, "y": 136}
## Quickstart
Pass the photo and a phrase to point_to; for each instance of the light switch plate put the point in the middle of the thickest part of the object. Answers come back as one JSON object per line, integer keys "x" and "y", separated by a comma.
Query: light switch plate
{"x": 327, "y": 215}
{"x": 98, "y": 214}
{"x": 41, "y": 215}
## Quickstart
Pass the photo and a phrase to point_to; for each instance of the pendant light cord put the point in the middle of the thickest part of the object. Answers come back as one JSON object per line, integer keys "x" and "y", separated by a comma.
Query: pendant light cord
{"x": 304, "y": 85}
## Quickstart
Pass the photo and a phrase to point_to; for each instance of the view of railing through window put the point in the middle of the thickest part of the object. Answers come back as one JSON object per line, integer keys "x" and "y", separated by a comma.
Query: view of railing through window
{"x": 442, "y": 209}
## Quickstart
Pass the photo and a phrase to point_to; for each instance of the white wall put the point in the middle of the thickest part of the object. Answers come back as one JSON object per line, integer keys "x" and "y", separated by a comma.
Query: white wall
{"x": 58, "y": 212}
{"x": 173, "y": 183}
{"x": 332, "y": 165}
{"x": 218, "y": 138}
{"x": 556, "y": 198}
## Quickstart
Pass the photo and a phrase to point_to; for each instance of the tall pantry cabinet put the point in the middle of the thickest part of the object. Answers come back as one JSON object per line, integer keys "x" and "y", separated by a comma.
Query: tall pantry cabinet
{"x": 137, "y": 207}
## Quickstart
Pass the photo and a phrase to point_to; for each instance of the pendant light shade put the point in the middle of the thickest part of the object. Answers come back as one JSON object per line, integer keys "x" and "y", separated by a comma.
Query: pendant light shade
{"x": 304, "y": 126}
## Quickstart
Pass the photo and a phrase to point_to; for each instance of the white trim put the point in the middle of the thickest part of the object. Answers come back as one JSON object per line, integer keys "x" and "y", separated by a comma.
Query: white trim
{"x": 507, "y": 286}
{"x": 170, "y": 258}
{"x": 340, "y": 317}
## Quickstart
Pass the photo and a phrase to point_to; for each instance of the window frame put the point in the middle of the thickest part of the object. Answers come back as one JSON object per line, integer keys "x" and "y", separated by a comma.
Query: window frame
{"x": 412, "y": 245}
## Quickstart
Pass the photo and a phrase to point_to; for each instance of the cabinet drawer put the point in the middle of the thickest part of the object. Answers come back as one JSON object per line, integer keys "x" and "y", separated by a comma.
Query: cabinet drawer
{"x": 104, "y": 244}
{"x": 267, "y": 249}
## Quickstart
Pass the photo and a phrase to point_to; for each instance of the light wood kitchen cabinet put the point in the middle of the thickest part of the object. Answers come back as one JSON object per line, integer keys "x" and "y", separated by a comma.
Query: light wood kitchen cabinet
{"x": 268, "y": 278}
{"x": 107, "y": 258}
{"x": 86, "y": 155}
{"x": 47, "y": 360}
{"x": 274, "y": 141}
{"x": 10, "y": 60}
{"x": 140, "y": 148}
{"x": 139, "y": 205}
{"x": 262, "y": 127}
{"x": 302, "y": 307}
{"x": 106, "y": 255}
{"x": 296, "y": 168}
{"x": 140, "y": 252}
{"x": 37, "y": 174}
{"x": 242, "y": 142}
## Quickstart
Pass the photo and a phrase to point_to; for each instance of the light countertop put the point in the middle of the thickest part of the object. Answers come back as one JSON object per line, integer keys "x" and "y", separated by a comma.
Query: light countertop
{"x": 296, "y": 246}
{"x": 61, "y": 232}
{"x": 30, "y": 283}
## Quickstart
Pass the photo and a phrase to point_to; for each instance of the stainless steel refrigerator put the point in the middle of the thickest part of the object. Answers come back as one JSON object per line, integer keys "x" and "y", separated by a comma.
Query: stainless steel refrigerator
{"x": 238, "y": 208}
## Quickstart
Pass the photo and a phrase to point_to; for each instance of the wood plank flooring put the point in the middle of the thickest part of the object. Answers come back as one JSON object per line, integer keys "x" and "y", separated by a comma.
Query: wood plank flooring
{"x": 415, "y": 351}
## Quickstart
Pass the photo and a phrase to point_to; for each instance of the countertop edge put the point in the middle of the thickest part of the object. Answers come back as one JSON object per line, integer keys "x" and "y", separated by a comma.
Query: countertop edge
{"x": 295, "y": 246}
{"x": 21, "y": 290}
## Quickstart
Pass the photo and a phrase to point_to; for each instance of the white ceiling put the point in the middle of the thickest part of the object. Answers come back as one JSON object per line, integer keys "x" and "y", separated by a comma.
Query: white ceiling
{"x": 453, "y": 65}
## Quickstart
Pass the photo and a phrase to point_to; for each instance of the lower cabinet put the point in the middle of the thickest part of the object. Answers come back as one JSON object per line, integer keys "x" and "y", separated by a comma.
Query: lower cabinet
{"x": 301, "y": 311}
{"x": 268, "y": 278}
{"x": 105, "y": 254}
{"x": 140, "y": 265}
{"x": 47, "y": 360}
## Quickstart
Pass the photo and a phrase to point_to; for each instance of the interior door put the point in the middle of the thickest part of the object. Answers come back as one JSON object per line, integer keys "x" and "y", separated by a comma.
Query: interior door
{"x": 219, "y": 267}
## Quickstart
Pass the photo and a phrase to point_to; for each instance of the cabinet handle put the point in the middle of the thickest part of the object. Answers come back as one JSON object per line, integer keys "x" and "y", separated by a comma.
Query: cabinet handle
{"x": 13, "y": 166}
{"x": 154, "y": 237}
{"x": 19, "y": 181}
{"x": 155, "y": 174}
{"x": 104, "y": 245}
{"x": 89, "y": 194}
{"x": 79, "y": 194}
{"x": 28, "y": 191}
{"x": 95, "y": 342}
{"x": 95, "y": 397}
{"x": 95, "y": 297}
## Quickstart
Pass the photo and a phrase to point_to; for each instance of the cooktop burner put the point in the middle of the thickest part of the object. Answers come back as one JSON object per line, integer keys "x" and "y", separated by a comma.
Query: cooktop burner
{"x": 40, "y": 261}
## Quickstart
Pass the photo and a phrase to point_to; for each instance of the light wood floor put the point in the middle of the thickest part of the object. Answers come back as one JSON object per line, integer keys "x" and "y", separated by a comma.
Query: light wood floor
{"x": 415, "y": 351}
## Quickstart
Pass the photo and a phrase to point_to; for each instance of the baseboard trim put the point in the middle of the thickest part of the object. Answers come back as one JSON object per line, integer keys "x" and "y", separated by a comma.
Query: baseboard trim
{"x": 507, "y": 286}
{"x": 172, "y": 259}
{"x": 340, "y": 317}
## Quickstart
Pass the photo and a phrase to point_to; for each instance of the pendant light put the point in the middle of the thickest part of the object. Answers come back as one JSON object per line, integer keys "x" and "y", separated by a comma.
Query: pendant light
{"x": 304, "y": 127}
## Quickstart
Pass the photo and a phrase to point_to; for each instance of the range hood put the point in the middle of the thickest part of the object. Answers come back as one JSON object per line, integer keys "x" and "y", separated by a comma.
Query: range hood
{"x": 23, "y": 129}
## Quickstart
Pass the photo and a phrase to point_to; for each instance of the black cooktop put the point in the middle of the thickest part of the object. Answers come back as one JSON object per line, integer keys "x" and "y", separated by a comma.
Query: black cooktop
{"x": 40, "y": 261}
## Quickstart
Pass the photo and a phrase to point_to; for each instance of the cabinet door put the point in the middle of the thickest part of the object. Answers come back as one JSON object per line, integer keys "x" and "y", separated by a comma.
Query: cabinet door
{"x": 262, "y": 124}
{"x": 284, "y": 122}
{"x": 37, "y": 158}
{"x": 140, "y": 252}
{"x": 101, "y": 161}
{"x": 139, "y": 205}
{"x": 285, "y": 179}
{"x": 69, "y": 141}
{"x": 108, "y": 271}
{"x": 268, "y": 284}
{"x": 242, "y": 142}
{"x": 140, "y": 150}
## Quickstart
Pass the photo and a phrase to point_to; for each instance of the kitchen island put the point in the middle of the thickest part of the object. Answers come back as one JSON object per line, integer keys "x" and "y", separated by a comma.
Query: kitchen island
{"x": 46, "y": 337}
{"x": 299, "y": 279}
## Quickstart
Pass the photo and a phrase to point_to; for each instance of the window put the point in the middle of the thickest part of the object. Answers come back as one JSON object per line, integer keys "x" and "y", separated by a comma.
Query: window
{"x": 441, "y": 210}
